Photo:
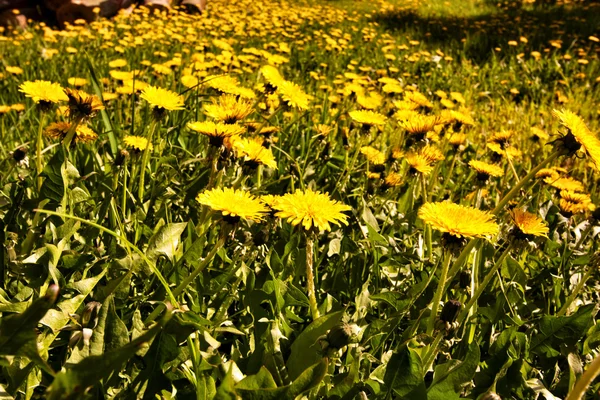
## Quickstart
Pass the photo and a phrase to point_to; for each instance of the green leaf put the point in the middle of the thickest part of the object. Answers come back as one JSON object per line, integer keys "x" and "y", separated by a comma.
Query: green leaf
{"x": 449, "y": 377}
{"x": 262, "y": 380}
{"x": 226, "y": 390}
{"x": 556, "y": 331}
{"x": 53, "y": 187}
{"x": 305, "y": 351}
{"x": 404, "y": 375}
{"x": 165, "y": 241}
{"x": 17, "y": 331}
{"x": 74, "y": 380}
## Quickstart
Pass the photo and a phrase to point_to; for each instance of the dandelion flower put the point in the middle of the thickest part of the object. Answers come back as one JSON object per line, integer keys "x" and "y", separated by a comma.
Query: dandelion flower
{"x": 579, "y": 136}
{"x": 216, "y": 131}
{"x": 527, "y": 224}
{"x": 566, "y": 183}
{"x": 458, "y": 221}
{"x": 419, "y": 163}
{"x": 255, "y": 153}
{"x": 367, "y": 118}
{"x": 137, "y": 143}
{"x": 311, "y": 209}
{"x": 419, "y": 124}
{"x": 234, "y": 204}
{"x": 59, "y": 130}
{"x": 43, "y": 92}
{"x": 293, "y": 95}
{"x": 228, "y": 109}
{"x": 83, "y": 105}
{"x": 575, "y": 203}
{"x": 162, "y": 99}
{"x": 373, "y": 155}
{"x": 485, "y": 170}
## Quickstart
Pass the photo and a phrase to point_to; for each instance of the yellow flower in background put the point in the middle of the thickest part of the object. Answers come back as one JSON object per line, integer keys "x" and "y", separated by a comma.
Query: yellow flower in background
{"x": 59, "y": 130}
{"x": 77, "y": 82}
{"x": 579, "y": 136}
{"x": 228, "y": 109}
{"x": 566, "y": 183}
{"x": 311, "y": 209}
{"x": 137, "y": 143}
{"x": 272, "y": 76}
{"x": 420, "y": 124}
{"x": 43, "y": 91}
{"x": 419, "y": 163}
{"x": 82, "y": 104}
{"x": 575, "y": 203}
{"x": 162, "y": 98}
{"x": 528, "y": 224}
{"x": 373, "y": 155}
{"x": 216, "y": 131}
{"x": 14, "y": 70}
{"x": 234, "y": 204}
{"x": 457, "y": 220}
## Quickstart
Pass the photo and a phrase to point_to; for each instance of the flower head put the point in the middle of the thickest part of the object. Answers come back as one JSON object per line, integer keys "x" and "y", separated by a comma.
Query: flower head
{"x": 528, "y": 224}
{"x": 367, "y": 118}
{"x": 485, "y": 170}
{"x": 216, "y": 131}
{"x": 311, "y": 209}
{"x": 43, "y": 91}
{"x": 374, "y": 156}
{"x": 59, "y": 130}
{"x": 228, "y": 109}
{"x": 162, "y": 99}
{"x": 566, "y": 183}
{"x": 579, "y": 136}
{"x": 419, "y": 124}
{"x": 459, "y": 221}
{"x": 234, "y": 204}
{"x": 293, "y": 95}
{"x": 575, "y": 203}
{"x": 83, "y": 105}
{"x": 137, "y": 143}
{"x": 254, "y": 152}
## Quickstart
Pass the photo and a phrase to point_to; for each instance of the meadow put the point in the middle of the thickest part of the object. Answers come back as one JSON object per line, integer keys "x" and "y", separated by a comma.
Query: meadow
{"x": 303, "y": 200}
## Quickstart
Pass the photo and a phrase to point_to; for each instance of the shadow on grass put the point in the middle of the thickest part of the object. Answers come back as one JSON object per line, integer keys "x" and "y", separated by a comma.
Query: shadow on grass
{"x": 477, "y": 37}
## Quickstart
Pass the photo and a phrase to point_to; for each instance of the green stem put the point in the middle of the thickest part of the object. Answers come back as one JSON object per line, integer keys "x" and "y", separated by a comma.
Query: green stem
{"x": 563, "y": 310}
{"x": 310, "y": 278}
{"x": 488, "y": 277}
{"x": 439, "y": 292}
{"x": 38, "y": 155}
{"x": 585, "y": 380}
{"x": 145, "y": 159}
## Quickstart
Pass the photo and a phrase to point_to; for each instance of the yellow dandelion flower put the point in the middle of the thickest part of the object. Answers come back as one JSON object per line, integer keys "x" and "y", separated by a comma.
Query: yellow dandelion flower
{"x": 419, "y": 163}
{"x": 254, "y": 153}
{"x": 272, "y": 76}
{"x": 528, "y": 224}
{"x": 59, "y": 130}
{"x": 162, "y": 99}
{"x": 118, "y": 63}
{"x": 579, "y": 136}
{"x": 83, "y": 105}
{"x": 228, "y": 109}
{"x": 419, "y": 124}
{"x": 43, "y": 91}
{"x": 216, "y": 131}
{"x": 293, "y": 95}
{"x": 373, "y": 155}
{"x": 538, "y": 134}
{"x": 575, "y": 203}
{"x": 311, "y": 209}
{"x": 137, "y": 143}
{"x": 485, "y": 170}
{"x": 565, "y": 183}
{"x": 393, "y": 179}
{"x": 547, "y": 173}
{"x": 77, "y": 82}
{"x": 457, "y": 139}
{"x": 418, "y": 98}
{"x": 368, "y": 118}
{"x": 457, "y": 220}
{"x": 234, "y": 204}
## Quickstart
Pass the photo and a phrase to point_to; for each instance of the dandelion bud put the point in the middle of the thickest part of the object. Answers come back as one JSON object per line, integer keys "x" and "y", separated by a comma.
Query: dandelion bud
{"x": 89, "y": 316}
{"x": 342, "y": 335}
{"x": 450, "y": 311}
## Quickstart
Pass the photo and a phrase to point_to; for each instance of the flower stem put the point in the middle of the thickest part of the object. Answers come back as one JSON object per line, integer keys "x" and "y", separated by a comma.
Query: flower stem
{"x": 439, "y": 292}
{"x": 573, "y": 296}
{"x": 145, "y": 159}
{"x": 585, "y": 380}
{"x": 310, "y": 278}
{"x": 38, "y": 154}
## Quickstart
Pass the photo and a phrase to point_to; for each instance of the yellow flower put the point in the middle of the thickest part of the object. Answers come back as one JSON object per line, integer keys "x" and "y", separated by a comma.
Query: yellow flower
{"x": 234, "y": 204}
{"x": 77, "y": 82}
{"x": 216, "y": 131}
{"x": 459, "y": 221}
{"x": 575, "y": 203}
{"x": 229, "y": 109}
{"x": 43, "y": 91}
{"x": 485, "y": 170}
{"x": 367, "y": 118}
{"x": 255, "y": 153}
{"x": 501, "y": 138}
{"x": 538, "y": 134}
{"x": 118, "y": 63}
{"x": 83, "y": 105}
{"x": 393, "y": 179}
{"x": 137, "y": 143}
{"x": 419, "y": 163}
{"x": 162, "y": 99}
{"x": 418, "y": 98}
{"x": 293, "y": 95}
{"x": 419, "y": 124}
{"x": 311, "y": 209}
{"x": 579, "y": 135}
{"x": 457, "y": 139}
{"x": 59, "y": 130}
{"x": 566, "y": 183}
{"x": 14, "y": 70}
{"x": 373, "y": 155}
{"x": 528, "y": 224}
{"x": 272, "y": 75}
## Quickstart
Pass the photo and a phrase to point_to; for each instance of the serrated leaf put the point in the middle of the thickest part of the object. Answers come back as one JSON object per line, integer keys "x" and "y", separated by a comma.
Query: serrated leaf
{"x": 165, "y": 241}
{"x": 404, "y": 375}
